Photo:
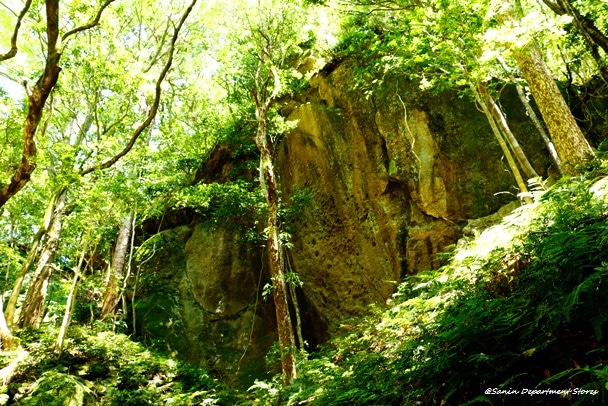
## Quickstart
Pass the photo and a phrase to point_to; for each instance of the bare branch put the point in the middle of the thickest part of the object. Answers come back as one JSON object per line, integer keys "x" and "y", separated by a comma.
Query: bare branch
{"x": 90, "y": 25}
{"x": 158, "y": 54}
{"x": 135, "y": 135}
{"x": 556, "y": 8}
{"x": 13, "y": 51}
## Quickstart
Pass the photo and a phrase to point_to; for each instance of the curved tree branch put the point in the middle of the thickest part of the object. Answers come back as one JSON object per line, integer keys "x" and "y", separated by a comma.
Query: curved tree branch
{"x": 35, "y": 105}
{"x": 13, "y": 51}
{"x": 586, "y": 27}
{"x": 157, "y": 93}
{"x": 90, "y": 25}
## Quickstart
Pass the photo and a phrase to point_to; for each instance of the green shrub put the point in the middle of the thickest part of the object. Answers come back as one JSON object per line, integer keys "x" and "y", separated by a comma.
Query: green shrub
{"x": 109, "y": 368}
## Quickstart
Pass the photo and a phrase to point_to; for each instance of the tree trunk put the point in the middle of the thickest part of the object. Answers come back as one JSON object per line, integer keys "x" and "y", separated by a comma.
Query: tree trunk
{"x": 123, "y": 291}
{"x": 117, "y": 267}
{"x": 539, "y": 127}
{"x": 294, "y": 302}
{"x": 11, "y": 306}
{"x": 71, "y": 300}
{"x": 32, "y": 310}
{"x": 501, "y": 141}
{"x": 506, "y": 131}
{"x": 35, "y": 105}
{"x": 287, "y": 343}
{"x": 570, "y": 143}
{"x": 532, "y": 114}
{"x": 296, "y": 309}
{"x": 69, "y": 310}
{"x": 8, "y": 341}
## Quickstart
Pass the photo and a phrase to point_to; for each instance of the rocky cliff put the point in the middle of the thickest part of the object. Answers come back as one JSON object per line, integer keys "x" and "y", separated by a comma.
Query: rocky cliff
{"x": 394, "y": 174}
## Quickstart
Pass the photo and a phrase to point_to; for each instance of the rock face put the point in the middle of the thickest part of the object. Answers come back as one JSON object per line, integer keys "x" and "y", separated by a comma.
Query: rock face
{"x": 393, "y": 176}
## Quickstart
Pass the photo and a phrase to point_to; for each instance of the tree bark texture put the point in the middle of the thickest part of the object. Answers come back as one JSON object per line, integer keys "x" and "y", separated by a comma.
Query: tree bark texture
{"x": 521, "y": 184}
{"x": 33, "y": 306}
{"x": 117, "y": 267}
{"x": 532, "y": 114}
{"x": 11, "y": 306}
{"x": 71, "y": 300}
{"x": 69, "y": 310}
{"x": 13, "y": 51}
{"x": 7, "y": 339}
{"x": 570, "y": 143}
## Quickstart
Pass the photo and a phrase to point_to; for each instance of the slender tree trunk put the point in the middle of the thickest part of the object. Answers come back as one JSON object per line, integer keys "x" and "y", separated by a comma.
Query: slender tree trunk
{"x": 506, "y": 131}
{"x": 287, "y": 343}
{"x": 133, "y": 310}
{"x": 532, "y": 114}
{"x": 296, "y": 306}
{"x": 6, "y": 337}
{"x": 501, "y": 141}
{"x": 11, "y": 245}
{"x": 539, "y": 127}
{"x": 117, "y": 267}
{"x": 71, "y": 300}
{"x": 33, "y": 307}
{"x": 570, "y": 143}
{"x": 11, "y": 306}
{"x": 129, "y": 266}
{"x": 296, "y": 309}
{"x": 69, "y": 310}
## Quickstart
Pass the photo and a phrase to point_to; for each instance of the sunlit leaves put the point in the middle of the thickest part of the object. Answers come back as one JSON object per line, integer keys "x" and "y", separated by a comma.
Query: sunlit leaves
{"x": 234, "y": 202}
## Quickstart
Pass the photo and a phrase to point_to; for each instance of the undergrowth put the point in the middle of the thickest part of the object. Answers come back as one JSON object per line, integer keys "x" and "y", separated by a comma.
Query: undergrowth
{"x": 103, "y": 368}
{"x": 522, "y": 307}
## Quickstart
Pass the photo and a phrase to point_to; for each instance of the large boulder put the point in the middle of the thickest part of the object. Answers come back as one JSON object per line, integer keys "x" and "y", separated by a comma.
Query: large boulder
{"x": 199, "y": 297}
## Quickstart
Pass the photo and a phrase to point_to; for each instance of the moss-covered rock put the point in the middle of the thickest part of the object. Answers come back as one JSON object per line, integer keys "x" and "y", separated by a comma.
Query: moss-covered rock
{"x": 199, "y": 298}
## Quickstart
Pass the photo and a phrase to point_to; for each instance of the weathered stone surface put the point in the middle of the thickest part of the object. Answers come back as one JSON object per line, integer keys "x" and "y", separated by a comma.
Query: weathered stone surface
{"x": 200, "y": 298}
{"x": 393, "y": 176}
{"x": 220, "y": 272}
{"x": 350, "y": 249}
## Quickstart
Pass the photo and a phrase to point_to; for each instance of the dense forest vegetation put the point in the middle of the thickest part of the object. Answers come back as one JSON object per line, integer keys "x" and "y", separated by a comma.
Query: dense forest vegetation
{"x": 322, "y": 202}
